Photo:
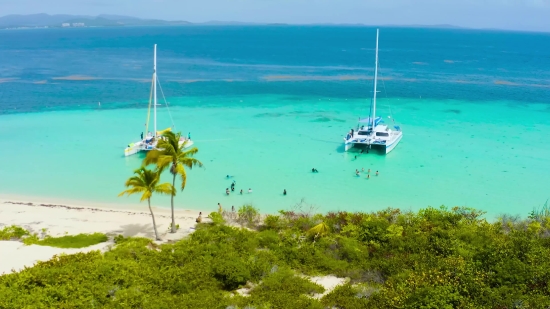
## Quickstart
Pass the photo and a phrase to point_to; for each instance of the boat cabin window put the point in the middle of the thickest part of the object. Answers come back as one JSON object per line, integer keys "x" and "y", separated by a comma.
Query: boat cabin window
{"x": 382, "y": 134}
{"x": 364, "y": 132}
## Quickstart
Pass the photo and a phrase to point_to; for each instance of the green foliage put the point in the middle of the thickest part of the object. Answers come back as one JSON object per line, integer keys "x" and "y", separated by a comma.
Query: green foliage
{"x": 216, "y": 218}
{"x": 76, "y": 241}
{"x": 248, "y": 216}
{"x": 434, "y": 258}
{"x": 12, "y": 232}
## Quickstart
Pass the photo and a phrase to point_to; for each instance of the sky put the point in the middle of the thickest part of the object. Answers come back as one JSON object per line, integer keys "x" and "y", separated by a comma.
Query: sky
{"x": 501, "y": 14}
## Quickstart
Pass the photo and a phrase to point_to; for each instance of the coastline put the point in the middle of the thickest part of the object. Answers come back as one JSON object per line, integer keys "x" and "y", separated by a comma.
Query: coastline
{"x": 59, "y": 219}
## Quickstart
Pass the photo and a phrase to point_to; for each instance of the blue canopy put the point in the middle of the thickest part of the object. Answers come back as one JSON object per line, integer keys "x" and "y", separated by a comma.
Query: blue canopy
{"x": 368, "y": 120}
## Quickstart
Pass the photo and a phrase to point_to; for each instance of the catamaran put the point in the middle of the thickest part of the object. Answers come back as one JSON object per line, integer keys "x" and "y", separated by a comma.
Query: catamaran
{"x": 149, "y": 142}
{"x": 371, "y": 131}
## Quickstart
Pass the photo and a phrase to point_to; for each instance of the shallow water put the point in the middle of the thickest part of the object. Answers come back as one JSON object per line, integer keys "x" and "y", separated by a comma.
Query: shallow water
{"x": 474, "y": 127}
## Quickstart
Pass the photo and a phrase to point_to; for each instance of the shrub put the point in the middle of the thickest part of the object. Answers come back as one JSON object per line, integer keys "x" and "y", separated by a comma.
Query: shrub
{"x": 77, "y": 241}
{"x": 12, "y": 232}
{"x": 248, "y": 216}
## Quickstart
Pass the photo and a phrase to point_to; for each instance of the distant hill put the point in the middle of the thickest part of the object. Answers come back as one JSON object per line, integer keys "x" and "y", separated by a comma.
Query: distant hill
{"x": 103, "y": 20}
{"x": 106, "y": 20}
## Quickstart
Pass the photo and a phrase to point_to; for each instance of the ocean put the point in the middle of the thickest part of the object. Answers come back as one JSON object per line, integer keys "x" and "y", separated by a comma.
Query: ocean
{"x": 266, "y": 104}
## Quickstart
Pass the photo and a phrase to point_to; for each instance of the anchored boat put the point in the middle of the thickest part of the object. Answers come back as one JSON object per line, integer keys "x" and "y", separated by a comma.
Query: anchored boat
{"x": 371, "y": 131}
{"x": 149, "y": 142}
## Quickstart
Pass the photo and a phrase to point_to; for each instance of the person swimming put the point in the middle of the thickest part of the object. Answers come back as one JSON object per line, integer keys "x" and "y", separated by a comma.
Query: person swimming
{"x": 368, "y": 176}
{"x": 284, "y": 192}
{"x": 249, "y": 190}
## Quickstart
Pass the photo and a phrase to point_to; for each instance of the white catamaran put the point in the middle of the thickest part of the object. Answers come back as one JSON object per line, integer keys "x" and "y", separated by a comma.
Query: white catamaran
{"x": 149, "y": 142}
{"x": 371, "y": 132}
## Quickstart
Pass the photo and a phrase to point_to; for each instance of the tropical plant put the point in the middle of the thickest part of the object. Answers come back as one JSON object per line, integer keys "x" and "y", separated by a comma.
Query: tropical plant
{"x": 146, "y": 182}
{"x": 170, "y": 153}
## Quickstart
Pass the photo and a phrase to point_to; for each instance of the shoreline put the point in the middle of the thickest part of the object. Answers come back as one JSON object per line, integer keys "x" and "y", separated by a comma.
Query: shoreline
{"x": 57, "y": 219}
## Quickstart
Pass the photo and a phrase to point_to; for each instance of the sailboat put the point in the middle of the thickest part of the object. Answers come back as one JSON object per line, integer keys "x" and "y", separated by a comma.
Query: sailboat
{"x": 371, "y": 131}
{"x": 149, "y": 142}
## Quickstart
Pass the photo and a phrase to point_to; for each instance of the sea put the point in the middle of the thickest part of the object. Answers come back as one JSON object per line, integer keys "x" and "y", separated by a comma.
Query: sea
{"x": 266, "y": 104}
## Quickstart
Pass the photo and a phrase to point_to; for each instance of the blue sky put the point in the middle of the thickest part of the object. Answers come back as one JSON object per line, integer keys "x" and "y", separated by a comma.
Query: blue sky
{"x": 502, "y": 14}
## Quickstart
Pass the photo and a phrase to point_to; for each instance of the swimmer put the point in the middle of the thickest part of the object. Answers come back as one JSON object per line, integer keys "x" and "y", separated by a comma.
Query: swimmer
{"x": 241, "y": 191}
{"x": 362, "y": 169}
{"x": 227, "y": 191}
{"x": 376, "y": 173}
{"x": 232, "y": 188}
{"x": 368, "y": 171}
{"x": 249, "y": 190}
{"x": 284, "y": 192}
{"x": 227, "y": 176}
{"x": 357, "y": 173}
{"x": 368, "y": 176}
{"x": 316, "y": 171}
{"x": 313, "y": 170}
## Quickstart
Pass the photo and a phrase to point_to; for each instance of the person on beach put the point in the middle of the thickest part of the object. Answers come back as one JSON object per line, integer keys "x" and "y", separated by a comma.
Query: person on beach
{"x": 249, "y": 190}
{"x": 199, "y": 218}
{"x": 219, "y": 208}
{"x": 284, "y": 192}
{"x": 227, "y": 191}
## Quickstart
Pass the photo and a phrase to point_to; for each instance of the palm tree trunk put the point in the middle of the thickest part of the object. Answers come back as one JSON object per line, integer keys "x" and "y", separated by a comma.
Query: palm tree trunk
{"x": 154, "y": 223}
{"x": 173, "y": 230}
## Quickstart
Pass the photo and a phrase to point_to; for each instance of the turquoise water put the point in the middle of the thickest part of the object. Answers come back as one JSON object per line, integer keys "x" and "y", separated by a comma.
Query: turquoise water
{"x": 267, "y": 104}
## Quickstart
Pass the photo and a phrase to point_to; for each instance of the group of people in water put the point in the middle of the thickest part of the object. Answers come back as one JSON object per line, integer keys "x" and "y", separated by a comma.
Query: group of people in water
{"x": 358, "y": 173}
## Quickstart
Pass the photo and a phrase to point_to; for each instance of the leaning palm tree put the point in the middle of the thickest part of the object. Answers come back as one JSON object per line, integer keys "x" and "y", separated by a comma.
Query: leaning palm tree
{"x": 170, "y": 153}
{"x": 146, "y": 182}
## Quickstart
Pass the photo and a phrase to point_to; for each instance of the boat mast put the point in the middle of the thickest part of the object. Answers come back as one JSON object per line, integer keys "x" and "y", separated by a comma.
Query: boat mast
{"x": 155, "y": 90}
{"x": 375, "y": 80}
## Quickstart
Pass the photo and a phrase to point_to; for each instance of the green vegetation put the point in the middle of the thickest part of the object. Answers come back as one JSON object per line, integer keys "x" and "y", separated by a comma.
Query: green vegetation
{"x": 145, "y": 182}
{"x": 69, "y": 241}
{"x": 433, "y": 258}
{"x": 173, "y": 155}
{"x": 12, "y": 232}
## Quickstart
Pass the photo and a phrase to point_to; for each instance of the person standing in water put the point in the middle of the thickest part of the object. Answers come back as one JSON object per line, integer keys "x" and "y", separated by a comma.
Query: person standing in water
{"x": 376, "y": 173}
{"x": 249, "y": 190}
{"x": 284, "y": 192}
{"x": 189, "y": 135}
{"x": 141, "y": 135}
{"x": 241, "y": 191}
{"x": 219, "y": 208}
{"x": 227, "y": 191}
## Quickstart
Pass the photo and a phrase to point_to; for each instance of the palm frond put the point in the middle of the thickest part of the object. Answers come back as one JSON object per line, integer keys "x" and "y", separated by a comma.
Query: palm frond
{"x": 152, "y": 157}
{"x": 164, "y": 161}
{"x": 131, "y": 191}
{"x": 190, "y": 162}
{"x": 165, "y": 188}
{"x": 180, "y": 170}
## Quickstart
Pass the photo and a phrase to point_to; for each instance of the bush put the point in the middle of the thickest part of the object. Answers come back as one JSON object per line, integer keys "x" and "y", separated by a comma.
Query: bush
{"x": 13, "y": 232}
{"x": 248, "y": 216}
{"x": 77, "y": 241}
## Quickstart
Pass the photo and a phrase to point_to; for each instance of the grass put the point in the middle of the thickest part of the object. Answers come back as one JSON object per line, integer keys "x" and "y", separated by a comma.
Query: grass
{"x": 76, "y": 241}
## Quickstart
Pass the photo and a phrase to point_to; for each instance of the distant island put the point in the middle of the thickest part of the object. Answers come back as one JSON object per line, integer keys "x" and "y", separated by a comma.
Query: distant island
{"x": 105, "y": 20}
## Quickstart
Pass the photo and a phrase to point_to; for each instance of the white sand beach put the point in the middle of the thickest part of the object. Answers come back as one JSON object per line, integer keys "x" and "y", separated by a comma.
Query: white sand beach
{"x": 63, "y": 219}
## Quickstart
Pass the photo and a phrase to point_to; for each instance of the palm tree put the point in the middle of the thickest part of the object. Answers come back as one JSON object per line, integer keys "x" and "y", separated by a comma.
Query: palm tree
{"x": 146, "y": 182}
{"x": 170, "y": 153}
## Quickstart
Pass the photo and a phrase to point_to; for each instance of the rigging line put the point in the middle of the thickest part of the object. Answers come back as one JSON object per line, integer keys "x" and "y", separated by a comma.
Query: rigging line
{"x": 168, "y": 108}
{"x": 149, "y": 106}
{"x": 386, "y": 94}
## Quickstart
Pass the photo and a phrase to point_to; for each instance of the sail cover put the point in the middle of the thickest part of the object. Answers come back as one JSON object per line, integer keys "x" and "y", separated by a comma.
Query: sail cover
{"x": 368, "y": 120}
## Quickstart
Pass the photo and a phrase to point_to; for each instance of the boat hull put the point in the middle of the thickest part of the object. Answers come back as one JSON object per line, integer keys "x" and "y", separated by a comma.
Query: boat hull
{"x": 391, "y": 146}
{"x": 141, "y": 146}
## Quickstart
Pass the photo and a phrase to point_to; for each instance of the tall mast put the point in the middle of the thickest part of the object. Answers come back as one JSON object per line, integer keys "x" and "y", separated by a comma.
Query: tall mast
{"x": 155, "y": 90}
{"x": 375, "y": 81}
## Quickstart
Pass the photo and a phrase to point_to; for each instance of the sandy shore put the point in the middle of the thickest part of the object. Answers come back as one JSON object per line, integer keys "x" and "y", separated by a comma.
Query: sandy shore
{"x": 59, "y": 220}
